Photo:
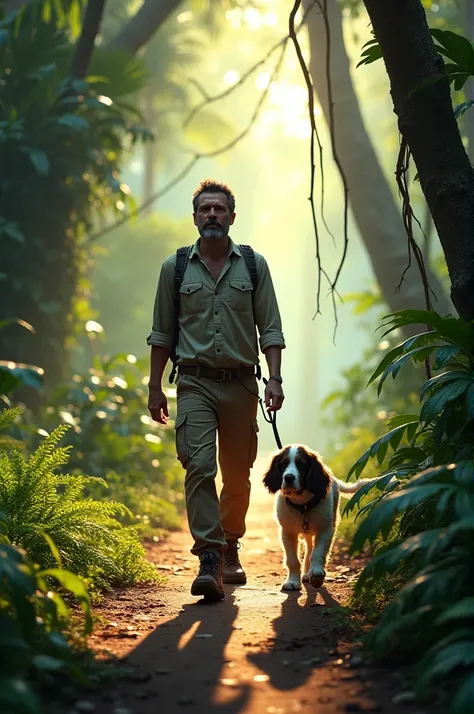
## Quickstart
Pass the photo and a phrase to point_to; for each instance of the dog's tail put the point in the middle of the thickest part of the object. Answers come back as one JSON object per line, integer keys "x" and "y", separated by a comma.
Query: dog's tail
{"x": 347, "y": 489}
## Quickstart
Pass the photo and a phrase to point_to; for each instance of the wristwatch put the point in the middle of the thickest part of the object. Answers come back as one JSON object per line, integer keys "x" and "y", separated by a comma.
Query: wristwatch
{"x": 276, "y": 378}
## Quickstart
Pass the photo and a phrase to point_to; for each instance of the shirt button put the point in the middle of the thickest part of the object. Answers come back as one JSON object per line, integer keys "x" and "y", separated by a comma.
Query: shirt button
{"x": 216, "y": 312}
{"x": 217, "y": 332}
{"x": 215, "y": 292}
{"x": 218, "y": 350}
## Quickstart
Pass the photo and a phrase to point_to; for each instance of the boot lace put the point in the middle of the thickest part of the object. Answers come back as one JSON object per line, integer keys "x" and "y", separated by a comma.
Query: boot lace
{"x": 231, "y": 554}
{"x": 209, "y": 565}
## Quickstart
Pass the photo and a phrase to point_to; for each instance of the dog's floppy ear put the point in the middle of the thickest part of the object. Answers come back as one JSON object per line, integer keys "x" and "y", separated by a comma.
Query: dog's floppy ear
{"x": 318, "y": 479}
{"x": 272, "y": 479}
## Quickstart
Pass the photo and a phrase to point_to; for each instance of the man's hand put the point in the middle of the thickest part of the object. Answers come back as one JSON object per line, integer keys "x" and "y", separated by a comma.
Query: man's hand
{"x": 157, "y": 404}
{"x": 273, "y": 395}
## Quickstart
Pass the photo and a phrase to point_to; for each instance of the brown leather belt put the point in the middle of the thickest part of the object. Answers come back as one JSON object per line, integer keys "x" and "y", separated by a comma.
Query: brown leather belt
{"x": 219, "y": 375}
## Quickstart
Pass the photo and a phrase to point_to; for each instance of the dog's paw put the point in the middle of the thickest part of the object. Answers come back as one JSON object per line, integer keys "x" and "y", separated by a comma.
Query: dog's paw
{"x": 290, "y": 585}
{"x": 315, "y": 576}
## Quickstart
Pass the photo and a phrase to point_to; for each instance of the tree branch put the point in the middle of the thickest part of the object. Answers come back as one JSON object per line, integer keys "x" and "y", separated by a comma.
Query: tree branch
{"x": 314, "y": 134}
{"x": 208, "y": 155}
{"x": 85, "y": 44}
{"x": 143, "y": 25}
{"x": 323, "y": 6}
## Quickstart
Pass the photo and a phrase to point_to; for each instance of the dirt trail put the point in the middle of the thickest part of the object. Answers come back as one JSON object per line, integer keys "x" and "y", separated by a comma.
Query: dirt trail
{"x": 259, "y": 651}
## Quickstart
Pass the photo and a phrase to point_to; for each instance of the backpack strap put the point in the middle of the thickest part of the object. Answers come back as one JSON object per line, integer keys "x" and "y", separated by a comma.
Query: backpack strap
{"x": 249, "y": 257}
{"x": 182, "y": 257}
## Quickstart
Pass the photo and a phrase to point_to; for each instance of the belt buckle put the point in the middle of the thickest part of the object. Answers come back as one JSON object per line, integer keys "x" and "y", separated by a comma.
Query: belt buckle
{"x": 223, "y": 375}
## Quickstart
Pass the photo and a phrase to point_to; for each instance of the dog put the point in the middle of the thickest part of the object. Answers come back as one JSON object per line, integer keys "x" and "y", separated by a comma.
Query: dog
{"x": 307, "y": 504}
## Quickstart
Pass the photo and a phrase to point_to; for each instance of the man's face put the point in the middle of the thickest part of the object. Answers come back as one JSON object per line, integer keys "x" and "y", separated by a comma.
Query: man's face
{"x": 213, "y": 217}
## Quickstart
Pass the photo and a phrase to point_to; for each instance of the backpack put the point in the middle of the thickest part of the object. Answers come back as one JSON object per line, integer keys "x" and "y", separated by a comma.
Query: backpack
{"x": 182, "y": 257}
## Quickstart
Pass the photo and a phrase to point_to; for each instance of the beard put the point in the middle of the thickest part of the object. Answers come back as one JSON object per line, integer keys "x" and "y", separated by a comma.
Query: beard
{"x": 213, "y": 231}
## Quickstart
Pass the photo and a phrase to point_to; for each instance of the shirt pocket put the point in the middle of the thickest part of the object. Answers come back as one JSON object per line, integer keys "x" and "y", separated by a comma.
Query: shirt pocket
{"x": 240, "y": 295}
{"x": 192, "y": 299}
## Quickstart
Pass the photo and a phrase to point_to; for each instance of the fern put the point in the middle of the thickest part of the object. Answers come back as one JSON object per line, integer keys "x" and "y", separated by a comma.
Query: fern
{"x": 39, "y": 504}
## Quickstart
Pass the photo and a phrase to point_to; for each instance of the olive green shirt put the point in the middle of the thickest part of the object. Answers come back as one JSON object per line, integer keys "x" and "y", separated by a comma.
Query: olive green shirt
{"x": 216, "y": 323}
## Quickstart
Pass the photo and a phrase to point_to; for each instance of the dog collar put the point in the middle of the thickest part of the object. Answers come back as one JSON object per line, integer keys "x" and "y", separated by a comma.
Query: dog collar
{"x": 304, "y": 508}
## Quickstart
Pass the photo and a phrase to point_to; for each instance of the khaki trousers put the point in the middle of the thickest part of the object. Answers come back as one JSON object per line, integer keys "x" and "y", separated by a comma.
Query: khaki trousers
{"x": 206, "y": 409}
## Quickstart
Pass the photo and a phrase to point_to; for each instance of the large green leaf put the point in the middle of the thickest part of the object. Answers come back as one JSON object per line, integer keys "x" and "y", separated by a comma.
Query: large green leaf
{"x": 416, "y": 355}
{"x": 39, "y": 160}
{"x": 449, "y": 659}
{"x": 17, "y": 695}
{"x": 380, "y": 483}
{"x": 450, "y": 329}
{"x": 12, "y": 374}
{"x": 459, "y": 611}
{"x": 445, "y": 354}
{"x": 464, "y": 696}
{"x": 415, "y": 341}
{"x": 72, "y": 121}
{"x": 371, "y": 52}
{"x": 380, "y": 519}
{"x": 434, "y": 405}
{"x": 448, "y": 376}
{"x": 394, "y": 436}
{"x": 70, "y": 581}
{"x": 470, "y": 401}
{"x": 456, "y": 47}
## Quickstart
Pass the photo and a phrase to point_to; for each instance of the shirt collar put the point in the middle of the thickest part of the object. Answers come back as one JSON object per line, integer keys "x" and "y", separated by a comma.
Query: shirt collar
{"x": 233, "y": 248}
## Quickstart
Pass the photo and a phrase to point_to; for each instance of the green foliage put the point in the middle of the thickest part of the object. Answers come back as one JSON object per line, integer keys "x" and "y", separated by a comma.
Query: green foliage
{"x": 41, "y": 508}
{"x": 63, "y": 141}
{"x": 14, "y": 374}
{"x": 34, "y": 618}
{"x": 451, "y": 45}
{"x": 114, "y": 439}
{"x": 421, "y": 514}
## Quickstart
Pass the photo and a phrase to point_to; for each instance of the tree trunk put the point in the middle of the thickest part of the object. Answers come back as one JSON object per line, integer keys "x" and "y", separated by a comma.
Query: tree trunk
{"x": 85, "y": 44}
{"x": 427, "y": 122}
{"x": 373, "y": 205}
{"x": 144, "y": 24}
{"x": 469, "y": 115}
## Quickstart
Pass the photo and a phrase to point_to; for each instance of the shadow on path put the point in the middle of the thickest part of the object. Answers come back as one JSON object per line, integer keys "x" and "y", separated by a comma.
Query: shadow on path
{"x": 299, "y": 640}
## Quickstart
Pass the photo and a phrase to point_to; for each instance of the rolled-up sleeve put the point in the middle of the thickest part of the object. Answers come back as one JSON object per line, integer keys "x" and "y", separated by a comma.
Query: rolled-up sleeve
{"x": 163, "y": 322}
{"x": 267, "y": 314}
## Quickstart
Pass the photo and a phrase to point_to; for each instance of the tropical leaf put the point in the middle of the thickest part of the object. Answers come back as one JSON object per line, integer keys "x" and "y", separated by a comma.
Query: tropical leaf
{"x": 381, "y": 518}
{"x": 464, "y": 696}
{"x": 394, "y": 436}
{"x": 418, "y": 340}
{"x": 460, "y": 611}
{"x": 450, "y": 329}
{"x": 442, "y": 396}
{"x": 444, "y": 355}
{"x": 380, "y": 483}
{"x": 391, "y": 557}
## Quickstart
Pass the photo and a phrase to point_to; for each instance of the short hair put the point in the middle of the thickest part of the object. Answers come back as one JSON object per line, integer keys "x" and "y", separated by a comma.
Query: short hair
{"x": 211, "y": 186}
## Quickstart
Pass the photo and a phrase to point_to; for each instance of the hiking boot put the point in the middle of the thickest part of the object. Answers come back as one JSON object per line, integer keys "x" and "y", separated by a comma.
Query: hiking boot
{"x": 208, "y": 583}
{"x": 232, "y": 570}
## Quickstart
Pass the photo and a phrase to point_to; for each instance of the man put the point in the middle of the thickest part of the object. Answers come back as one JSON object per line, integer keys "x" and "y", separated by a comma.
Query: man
{"x": 217, "y": 392}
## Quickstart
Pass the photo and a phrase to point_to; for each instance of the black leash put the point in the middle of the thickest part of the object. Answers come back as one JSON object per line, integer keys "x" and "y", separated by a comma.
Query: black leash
{"x": 271, "y": 418}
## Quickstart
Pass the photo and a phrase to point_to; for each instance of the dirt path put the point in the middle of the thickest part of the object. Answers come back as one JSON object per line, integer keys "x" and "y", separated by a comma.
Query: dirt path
{"x": 260, "y": 651}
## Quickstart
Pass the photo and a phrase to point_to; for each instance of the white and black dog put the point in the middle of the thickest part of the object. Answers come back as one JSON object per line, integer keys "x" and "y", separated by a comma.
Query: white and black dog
{"x": 307, "y": 504}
